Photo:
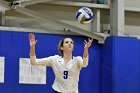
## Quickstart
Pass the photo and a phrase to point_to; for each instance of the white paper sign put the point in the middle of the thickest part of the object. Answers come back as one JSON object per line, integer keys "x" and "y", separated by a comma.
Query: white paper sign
{"x": 30, "y": 74}
{"x": 2, "y": 62}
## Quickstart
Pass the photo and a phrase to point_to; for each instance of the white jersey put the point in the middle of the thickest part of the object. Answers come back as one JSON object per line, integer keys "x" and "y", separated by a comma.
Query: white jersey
{"x": 66, "y": 75}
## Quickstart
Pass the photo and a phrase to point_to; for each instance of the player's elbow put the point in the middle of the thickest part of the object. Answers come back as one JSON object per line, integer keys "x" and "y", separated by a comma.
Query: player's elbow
{"x": 33, "y": 62}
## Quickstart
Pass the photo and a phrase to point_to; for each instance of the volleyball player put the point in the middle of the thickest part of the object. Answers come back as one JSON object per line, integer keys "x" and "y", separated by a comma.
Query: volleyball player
{"x": 66, "y": 67}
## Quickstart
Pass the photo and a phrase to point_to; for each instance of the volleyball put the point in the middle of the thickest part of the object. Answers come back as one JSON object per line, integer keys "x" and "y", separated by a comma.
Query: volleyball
{"x": 84, "y": 15}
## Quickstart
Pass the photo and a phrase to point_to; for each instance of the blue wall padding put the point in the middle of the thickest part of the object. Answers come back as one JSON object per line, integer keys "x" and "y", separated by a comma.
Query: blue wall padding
{"x": 106, "y": 66}
{"x": 120, "y": 72}
{"x": 15, "y": 45}
{"x": 126, "y": 65}
{"x": 114, "y": 67}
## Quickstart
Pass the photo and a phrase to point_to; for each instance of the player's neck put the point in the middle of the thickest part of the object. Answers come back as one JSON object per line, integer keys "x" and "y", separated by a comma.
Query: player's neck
{"x": 67, "y": 56}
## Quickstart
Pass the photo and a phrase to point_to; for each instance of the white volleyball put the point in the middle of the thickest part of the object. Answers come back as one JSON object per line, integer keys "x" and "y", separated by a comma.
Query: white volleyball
{"x": 84, "y": 15}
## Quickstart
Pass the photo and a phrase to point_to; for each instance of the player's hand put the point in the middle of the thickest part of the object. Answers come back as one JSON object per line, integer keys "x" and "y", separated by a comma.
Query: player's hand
{"x": 88, "y": 43}
{"x": 32, "y": 40}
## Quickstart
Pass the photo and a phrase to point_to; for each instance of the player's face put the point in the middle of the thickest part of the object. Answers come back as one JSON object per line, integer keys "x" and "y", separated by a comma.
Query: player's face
{"x": 68, "y": 44}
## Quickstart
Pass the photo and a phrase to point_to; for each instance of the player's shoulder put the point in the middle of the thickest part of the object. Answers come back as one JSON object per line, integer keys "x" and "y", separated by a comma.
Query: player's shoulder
{"x": 56, "y": 56}
{"x": 77, "y": 57}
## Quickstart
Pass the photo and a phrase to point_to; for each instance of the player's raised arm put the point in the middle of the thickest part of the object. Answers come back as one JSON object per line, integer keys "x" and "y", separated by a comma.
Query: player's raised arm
{"x": 34, "y": 61}
{"x": 32, "y": 42}
{"x": 86, "y": 47}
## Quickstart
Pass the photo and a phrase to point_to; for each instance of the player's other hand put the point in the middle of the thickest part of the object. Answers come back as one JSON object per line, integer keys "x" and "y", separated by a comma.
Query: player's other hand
{"x": 88, "y": 43}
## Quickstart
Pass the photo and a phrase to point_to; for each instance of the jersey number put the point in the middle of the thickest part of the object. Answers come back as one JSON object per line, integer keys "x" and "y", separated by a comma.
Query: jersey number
{"x": 65, "y": 74}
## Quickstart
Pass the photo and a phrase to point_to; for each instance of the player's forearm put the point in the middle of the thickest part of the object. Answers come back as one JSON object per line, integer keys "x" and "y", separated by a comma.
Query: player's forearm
{"x": 85, "y": 58}
{"x": 85, "y": 52}
{"x": 32, "y": 51}
{"x": 32, "y": 55}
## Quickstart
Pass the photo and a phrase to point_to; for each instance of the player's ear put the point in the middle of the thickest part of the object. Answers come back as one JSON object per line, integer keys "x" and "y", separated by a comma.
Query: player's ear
{"x": 61, "y": 48}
